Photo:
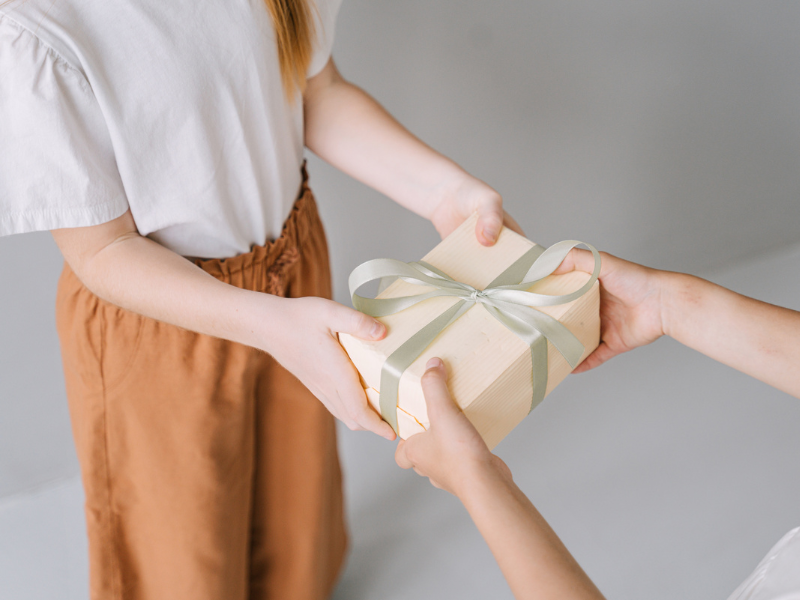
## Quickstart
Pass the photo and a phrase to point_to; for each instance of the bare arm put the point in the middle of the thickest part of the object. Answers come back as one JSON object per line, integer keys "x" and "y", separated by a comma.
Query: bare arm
{"x": 760, "y": 339}
{"x": 134, "y": 272}
{"x": 349, "y": 129}
{"x": 131, "y": 271}
{"x": 534, "y": 561}
{"x": 638, "y": 305}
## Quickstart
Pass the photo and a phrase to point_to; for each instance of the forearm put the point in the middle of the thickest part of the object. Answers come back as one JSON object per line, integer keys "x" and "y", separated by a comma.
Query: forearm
{"x": 754, "y": 337}
{"x": 533, "y": 559}
{"x": 142, "y": 276}
{"x": 348, "y": 129}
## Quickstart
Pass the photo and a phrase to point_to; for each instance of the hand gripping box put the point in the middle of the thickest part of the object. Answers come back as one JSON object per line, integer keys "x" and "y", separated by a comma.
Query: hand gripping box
{"x": 489, "y": 366}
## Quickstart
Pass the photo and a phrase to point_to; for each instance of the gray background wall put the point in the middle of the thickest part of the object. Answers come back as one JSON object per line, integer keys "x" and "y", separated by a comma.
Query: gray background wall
{"x": 667, "y": 132}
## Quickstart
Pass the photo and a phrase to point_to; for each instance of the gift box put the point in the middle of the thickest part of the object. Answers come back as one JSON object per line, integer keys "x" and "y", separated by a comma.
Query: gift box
{"x": 491, "y": 345}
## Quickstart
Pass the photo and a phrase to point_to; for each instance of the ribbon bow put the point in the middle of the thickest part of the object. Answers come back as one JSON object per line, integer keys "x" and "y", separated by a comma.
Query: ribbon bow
{"x": 506, "y": 298}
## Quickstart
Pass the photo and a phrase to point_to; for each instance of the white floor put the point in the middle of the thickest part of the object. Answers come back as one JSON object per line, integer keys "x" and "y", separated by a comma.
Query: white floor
{"x": 43, "y": 549}
{"x": 667, "y": 475}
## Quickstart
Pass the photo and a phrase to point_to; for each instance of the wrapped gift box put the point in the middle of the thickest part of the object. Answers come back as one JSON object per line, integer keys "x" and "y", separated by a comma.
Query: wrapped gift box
{"x": 489, "y": 367}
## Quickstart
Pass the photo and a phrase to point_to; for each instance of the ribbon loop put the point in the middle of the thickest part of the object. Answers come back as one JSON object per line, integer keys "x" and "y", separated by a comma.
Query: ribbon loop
{"x": 506, "y": 298}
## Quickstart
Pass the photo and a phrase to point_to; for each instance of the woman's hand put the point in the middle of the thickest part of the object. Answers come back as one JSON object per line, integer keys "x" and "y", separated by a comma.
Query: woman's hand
{"x": 451, "y": 453}
{"x": 632, "y": 300}
{"x": 638, "y": 305}
{"x": 302, "y": 336}
{"x": 349, "y": 129}
{"x": 466, "y": 196}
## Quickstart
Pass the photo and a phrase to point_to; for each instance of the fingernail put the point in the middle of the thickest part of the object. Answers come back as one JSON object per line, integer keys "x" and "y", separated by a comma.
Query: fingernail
{"x": 491, "y": 231}
{"x": 434, "y": 363}
{"x": 377, "y": 329}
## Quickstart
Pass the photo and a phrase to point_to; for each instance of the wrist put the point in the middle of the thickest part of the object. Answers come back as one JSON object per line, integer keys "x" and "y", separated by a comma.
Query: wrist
{"x": 479, "y": 476}
{"x": 450, "y": 179}
{"x": 255, "y": 319}
{"x": 487, "y": 491}
{"x": 676, "y": 290}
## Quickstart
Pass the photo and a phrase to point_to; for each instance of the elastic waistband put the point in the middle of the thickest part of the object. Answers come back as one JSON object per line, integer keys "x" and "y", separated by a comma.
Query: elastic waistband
{"x": 275, "y": 256}
{"x": 266, "y": 268}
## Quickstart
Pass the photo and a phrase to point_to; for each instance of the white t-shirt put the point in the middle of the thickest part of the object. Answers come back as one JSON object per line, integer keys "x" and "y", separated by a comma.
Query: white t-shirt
{"x": 777, "y": 577}
{"x": 174, "y": 109}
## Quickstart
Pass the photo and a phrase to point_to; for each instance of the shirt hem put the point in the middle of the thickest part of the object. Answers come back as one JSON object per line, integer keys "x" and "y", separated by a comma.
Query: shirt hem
{"x": 60, "y": 218}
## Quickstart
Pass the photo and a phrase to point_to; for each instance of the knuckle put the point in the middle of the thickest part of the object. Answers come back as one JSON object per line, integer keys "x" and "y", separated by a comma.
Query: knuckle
{"x": 412, "y": 453}
{"x": 361, "y": 422}
{"x": 309, "y": 306}
{"x": 359, "y": 321}
{"x": 354, "y": 417}
{"x": 329, "y": 310}
{"x": 361, "y": 412}
{"x": 492, "y": 199}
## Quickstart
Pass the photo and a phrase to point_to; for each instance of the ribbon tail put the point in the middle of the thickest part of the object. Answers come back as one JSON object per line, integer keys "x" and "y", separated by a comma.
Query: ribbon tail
{"x": 548, "y": 262}
{"x": 518, "y": 269}
{"x": 538, "y": 345}
{"x": 525, "y": 320}
{"x": 399, "y": 360}
{"x": 539, "y": 371}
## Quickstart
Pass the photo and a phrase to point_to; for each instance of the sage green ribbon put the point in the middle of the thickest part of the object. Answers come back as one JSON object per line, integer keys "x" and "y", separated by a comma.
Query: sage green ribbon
{"x": 506, "y": 298}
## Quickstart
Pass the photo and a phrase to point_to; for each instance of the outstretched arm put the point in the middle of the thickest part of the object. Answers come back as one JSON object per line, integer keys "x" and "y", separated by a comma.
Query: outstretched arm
{"x": 129, "y": 270}
{"x": 452, "y": 454}
{"x": 638, "y": 305}
{"x": 346, "y": 127}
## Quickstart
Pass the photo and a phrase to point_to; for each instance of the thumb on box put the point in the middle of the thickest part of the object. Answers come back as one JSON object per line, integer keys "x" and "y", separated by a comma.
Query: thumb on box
{"x": 437, "y": 397}
{"x": 347, "y": 320}
{"x": 490, "y": 221}
{"x": 447, "y": 420}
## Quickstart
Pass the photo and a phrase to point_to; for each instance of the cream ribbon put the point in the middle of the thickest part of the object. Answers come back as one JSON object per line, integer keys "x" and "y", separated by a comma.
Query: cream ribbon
{"x": 506, "y": 298}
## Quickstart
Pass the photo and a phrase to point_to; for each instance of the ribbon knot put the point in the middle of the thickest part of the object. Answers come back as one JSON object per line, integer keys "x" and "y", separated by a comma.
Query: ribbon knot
{"x": 477, "y": 295}
{"x": 506, "y": 298}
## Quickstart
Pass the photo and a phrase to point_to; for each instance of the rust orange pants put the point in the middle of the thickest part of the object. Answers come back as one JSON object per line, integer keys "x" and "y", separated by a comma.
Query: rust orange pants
{"x": 210, "y": 471}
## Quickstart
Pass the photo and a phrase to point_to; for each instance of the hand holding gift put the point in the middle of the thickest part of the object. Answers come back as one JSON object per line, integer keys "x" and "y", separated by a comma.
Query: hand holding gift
{"x": 453, "y": 456}
{"x": 632, "y": 300}
{"x": 472, "y": 305}
{"x": 452, "y": 453}
{"x": 472, "y": 196}
{"x": 638, "y": 305}
{"x": 303, "y": 339}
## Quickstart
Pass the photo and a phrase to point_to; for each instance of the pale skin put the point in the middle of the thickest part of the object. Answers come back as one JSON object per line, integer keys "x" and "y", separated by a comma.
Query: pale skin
{"x": 349, "y": 129}
{"x": 637, "y": 306}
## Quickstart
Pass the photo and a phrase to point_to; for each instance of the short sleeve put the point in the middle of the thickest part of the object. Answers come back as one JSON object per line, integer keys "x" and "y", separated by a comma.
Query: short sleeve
{"x": 57, "y": 166}
{"x": 777, "y": 577}
{"x": 327, "y": 10}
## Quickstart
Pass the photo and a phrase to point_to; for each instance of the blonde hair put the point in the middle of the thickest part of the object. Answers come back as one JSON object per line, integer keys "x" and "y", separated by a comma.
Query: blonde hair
{"x": 294, "y": 33}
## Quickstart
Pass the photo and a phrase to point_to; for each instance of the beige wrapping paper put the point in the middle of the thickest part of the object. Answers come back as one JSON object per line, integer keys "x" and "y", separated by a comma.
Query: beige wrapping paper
{"x": 489, "y": 367}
